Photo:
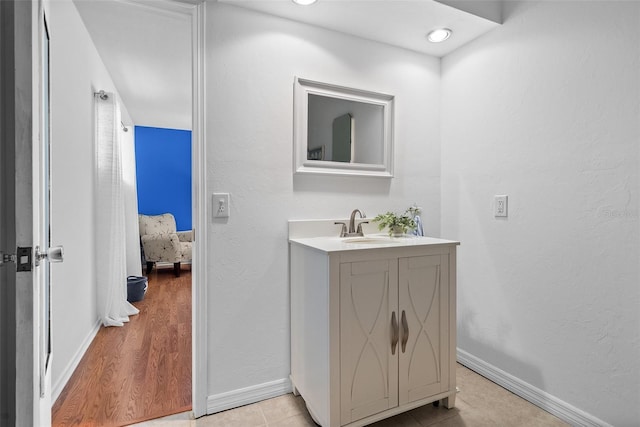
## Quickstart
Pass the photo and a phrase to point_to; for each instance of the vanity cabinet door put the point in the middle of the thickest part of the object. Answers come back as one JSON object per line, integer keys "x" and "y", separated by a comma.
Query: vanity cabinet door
{"x": 368, "y": 365}
{"x": 424, "y": 326}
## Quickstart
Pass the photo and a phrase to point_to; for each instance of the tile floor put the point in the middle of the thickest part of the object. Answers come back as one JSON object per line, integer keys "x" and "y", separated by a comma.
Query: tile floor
{"x": 480, "y": 403}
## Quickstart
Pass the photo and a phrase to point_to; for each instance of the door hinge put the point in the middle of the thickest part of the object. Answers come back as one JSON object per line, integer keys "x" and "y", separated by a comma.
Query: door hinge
{"x": 22, "y": 259}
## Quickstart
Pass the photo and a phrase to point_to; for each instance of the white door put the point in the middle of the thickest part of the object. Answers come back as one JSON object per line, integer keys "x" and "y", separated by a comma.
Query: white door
{"x": 44, "y": 253}
{"x": 25, "y": 223}
{"x": 368, "y": 346}
{"x": 424, "y": 331}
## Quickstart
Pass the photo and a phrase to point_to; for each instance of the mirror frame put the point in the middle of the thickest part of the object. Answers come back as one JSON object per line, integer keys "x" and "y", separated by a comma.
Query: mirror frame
{"x": 301, "y": 165}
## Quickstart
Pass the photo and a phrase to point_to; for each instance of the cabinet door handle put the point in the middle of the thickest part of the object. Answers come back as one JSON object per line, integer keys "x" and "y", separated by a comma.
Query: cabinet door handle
{"x": 405, "y": 331}
{"x": 394, "y": 333}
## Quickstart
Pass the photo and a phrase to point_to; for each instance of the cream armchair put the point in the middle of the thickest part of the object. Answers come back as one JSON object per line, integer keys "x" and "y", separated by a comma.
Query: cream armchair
{"x": 162, "y": 243}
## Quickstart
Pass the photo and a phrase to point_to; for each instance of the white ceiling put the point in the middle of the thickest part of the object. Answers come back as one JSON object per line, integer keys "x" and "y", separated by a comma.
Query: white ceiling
{"x": 401, "y": 23}
{"x": 146, "y": 44}
{"x": 147, "y": 50}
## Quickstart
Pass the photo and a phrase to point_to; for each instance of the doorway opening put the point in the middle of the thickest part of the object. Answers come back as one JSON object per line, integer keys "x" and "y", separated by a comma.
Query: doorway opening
{"x": 172, "y": 304}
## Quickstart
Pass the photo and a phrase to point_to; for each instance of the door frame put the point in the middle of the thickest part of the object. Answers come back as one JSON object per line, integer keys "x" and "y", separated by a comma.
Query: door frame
{"x": 200, "y": 214}
{"x": 196, "y": 9}
{"x": 26, "y": 124}
{"x": 8, "y": 306}
{"x": 21, "y": 87}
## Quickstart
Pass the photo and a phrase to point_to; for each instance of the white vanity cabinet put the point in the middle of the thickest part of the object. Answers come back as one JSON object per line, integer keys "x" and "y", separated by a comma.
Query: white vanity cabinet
{"x": 372, "y": 327}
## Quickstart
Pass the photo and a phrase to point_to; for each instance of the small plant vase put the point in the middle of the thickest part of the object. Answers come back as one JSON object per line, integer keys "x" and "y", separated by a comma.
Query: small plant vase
{"x": 397, "y": 231}
{"x": 397, "y": 225}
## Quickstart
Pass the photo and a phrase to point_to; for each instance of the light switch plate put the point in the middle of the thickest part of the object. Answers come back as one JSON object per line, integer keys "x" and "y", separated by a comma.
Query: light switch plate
{"x": 221, "y": 206}
{"x": 500, "y": 206}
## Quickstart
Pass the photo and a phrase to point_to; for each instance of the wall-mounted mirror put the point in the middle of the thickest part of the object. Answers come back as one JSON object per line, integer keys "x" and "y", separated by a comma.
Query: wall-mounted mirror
{"x": 342, "y": 131}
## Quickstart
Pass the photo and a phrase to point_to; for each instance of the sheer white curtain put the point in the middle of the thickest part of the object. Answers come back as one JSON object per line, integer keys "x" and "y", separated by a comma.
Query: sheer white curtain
{"x": 113, "y": 307}
{"x": 132, "y": 227}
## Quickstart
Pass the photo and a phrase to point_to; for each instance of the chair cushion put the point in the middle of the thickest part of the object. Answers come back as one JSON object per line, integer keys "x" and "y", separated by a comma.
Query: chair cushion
{"x": 186, "y": 249}
{"x": 185, "y": 236}
{"x": 157, "y": 224}
{"x": 162, "y": 248}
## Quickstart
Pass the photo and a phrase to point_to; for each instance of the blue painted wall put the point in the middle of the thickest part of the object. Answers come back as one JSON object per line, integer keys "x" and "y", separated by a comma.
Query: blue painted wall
{"x": 163, "y": 171}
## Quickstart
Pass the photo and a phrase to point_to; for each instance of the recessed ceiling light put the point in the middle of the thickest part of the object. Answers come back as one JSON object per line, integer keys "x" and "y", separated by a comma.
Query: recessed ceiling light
{"x": 304, "y": 2}
{"x": 439, "y": 35}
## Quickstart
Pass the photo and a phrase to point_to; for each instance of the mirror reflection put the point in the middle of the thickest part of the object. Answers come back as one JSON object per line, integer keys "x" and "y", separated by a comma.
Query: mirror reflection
{"x": 341, "y": 130}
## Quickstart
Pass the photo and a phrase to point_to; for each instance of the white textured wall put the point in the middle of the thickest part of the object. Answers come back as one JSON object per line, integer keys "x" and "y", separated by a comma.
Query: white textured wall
{"x": 546, "y": 110}
{"x": 251, "y": 63}
{"x": 76, "y": 72}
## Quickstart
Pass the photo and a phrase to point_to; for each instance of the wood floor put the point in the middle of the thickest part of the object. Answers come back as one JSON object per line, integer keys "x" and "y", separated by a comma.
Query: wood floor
{"x": 140, "y": 371}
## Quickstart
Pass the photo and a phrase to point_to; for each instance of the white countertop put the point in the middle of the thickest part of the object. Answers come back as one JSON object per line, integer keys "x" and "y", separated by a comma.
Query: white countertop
{"x": 369, "y": 241}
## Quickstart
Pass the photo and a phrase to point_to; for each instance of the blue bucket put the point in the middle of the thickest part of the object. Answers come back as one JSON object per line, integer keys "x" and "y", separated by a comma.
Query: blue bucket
{"x": 136, "y": 288}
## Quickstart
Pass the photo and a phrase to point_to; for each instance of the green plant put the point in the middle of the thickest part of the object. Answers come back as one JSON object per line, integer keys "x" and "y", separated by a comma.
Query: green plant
{"x": 397, "y": 224}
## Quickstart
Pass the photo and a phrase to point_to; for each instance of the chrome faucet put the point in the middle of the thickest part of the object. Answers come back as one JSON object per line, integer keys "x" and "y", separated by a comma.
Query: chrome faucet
{"x": 352, "y": 220}
{"x": 352, "y": 231}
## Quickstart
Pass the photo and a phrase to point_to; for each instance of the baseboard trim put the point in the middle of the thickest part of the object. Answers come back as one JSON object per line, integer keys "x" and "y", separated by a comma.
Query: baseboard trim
{"x": 566, "y": 412}
{"x": 247, "y": 395}
{"x": 58, "y": 386}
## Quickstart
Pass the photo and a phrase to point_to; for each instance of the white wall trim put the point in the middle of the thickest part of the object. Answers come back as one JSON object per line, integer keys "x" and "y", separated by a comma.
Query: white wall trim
{"x": 73, "y": 363}
{"x": 247, "y": 395}
{"x": 200, "y": 214}
{"x": 540, "y": 398}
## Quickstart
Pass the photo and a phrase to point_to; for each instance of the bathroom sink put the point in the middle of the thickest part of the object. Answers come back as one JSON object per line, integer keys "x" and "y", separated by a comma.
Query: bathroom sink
{"x": 366, "y": 240}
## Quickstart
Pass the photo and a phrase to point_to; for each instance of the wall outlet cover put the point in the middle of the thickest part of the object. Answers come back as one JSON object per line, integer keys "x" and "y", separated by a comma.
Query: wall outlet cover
{"x": 221, "y": 206}
{"x": 500, "y": 206}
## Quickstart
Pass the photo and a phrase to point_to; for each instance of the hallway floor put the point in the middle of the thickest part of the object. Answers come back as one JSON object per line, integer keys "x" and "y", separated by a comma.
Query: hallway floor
{"x": 139, "y": 371}
{"x": 480, "y": 403}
